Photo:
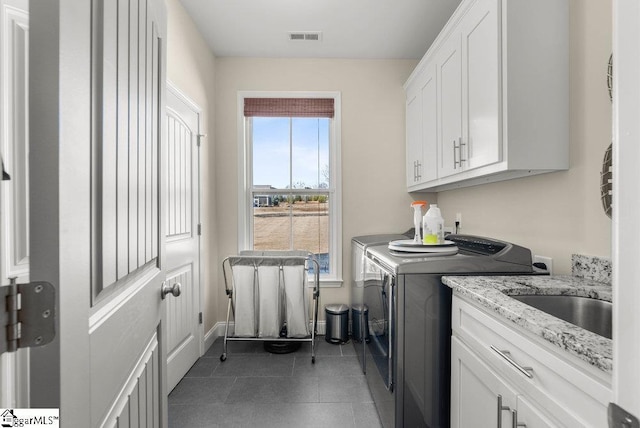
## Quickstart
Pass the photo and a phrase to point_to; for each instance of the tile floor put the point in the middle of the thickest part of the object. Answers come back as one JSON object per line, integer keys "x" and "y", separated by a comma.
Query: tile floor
{"x": 254, "y": 388}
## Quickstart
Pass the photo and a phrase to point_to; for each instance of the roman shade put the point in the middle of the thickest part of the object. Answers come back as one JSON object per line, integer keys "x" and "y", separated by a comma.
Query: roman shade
{"x": 288, "y": 107}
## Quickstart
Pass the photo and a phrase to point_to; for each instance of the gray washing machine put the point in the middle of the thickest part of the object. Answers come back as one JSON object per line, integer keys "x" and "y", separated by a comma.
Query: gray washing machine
{"x": 359, "y": 275}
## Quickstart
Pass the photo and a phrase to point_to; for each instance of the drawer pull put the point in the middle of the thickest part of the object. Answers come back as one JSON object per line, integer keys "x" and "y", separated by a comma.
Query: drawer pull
{"x": 506, "y": 355}
{"x": 500, "y": 409}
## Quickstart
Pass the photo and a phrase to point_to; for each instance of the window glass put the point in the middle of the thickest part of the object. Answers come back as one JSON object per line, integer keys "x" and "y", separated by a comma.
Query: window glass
{"x": 271, "y": 152}
{"x": 291, "y": 154}
{"x": 310, "y": 140}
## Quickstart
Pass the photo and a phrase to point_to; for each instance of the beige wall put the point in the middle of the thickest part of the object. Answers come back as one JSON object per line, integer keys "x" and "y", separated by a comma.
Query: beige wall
{"x": 191, "y": 68}
{"x": 373, "y": 157}
{"x": 554, "y": 214}
{"x": 557, "y": 214}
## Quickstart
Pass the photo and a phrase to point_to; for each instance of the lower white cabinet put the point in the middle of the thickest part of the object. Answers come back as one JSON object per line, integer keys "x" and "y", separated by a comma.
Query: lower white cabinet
{"x": 481, "y": 397}
{"x": 502, "y": 377}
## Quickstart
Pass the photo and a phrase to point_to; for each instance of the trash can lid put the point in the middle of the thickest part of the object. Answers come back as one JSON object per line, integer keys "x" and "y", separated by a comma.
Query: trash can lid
{"x": 336, "y": 308}
{"x": 360, "y": 307}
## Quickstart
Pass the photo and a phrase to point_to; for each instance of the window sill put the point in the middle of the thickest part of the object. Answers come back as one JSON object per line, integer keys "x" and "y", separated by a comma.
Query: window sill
{"x": 328, "y": 283}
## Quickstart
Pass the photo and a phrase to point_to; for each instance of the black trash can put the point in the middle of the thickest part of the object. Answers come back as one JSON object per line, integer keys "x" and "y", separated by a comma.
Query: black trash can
{"x": 360, "y": 322}
{"x": 337, "y": 316}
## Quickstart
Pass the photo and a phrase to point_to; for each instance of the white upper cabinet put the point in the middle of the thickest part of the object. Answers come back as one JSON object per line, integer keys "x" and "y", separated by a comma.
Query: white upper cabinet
{"x": 502, "y": 98}
{"x": 481, "y": 143}
{"x": 422, "y": 129}
{"x": 413, "y": 113}
{"x": 449, "y": 107}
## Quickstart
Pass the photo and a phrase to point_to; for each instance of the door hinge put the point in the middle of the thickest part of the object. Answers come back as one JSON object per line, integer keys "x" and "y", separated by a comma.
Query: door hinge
{"x": 200, "y": 317}
{"x": 199, "y": 139}
{"x": 199, "y": 228}
{"x": 29, "y": 317}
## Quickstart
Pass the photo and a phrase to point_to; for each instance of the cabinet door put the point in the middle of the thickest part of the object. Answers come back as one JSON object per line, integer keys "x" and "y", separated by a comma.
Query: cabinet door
{"x": 414, "y": 134}
{"x": 481, "y": 79}
{"x": 428, "y": 170}
{"x": 450, "y": 105}
{"x": 476, "y": 391}
{"x": 532, "y": 417}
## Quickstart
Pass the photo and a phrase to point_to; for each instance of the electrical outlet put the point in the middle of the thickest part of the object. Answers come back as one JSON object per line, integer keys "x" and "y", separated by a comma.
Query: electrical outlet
{"x": 458, "y": 222}
{"x": 548, "y": 261}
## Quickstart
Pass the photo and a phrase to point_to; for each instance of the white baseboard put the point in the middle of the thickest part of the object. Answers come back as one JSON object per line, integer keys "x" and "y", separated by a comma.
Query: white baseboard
{"x": 218, "y": 331}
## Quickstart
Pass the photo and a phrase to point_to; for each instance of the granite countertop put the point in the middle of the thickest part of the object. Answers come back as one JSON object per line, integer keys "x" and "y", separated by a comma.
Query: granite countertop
{"x": 491, "y": 292}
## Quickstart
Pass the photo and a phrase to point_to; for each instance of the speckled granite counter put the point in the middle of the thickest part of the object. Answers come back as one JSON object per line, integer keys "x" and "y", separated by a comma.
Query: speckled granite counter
{"x": 491, "y": 292}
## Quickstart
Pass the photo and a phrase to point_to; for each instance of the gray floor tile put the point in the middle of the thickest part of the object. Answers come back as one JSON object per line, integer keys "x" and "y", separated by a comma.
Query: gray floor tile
{"x": 251, "y": 347}
{"x": 204, "y": 367}
{"x": 210, "y": 415}
{"x": 307, "y": 415}
{"x": 366, "y": 415}
{"x": 327, "y": 366}
{"x": 322, "y": 348}
{"x": 274, "y": 390}
{"x": 201, "y": 390}
{"x": 348, "y": 349}
{"x": 344, "y": 389}
{"x": 256, "y": 365}
{"x": 255, "y": 388}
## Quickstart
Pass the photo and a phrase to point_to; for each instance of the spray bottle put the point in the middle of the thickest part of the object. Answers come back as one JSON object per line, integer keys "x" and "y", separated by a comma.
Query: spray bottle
{"x": 417, "y": 219}
{"x": 433, "y": 225}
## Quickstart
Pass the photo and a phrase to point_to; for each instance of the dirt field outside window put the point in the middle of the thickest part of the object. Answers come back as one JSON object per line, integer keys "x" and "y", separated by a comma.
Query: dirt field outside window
{"x": 308, "y": 221}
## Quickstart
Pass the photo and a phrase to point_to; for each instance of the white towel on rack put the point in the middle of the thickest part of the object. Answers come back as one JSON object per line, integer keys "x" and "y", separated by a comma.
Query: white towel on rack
{"x": 269, "y": 318}
{"x": 244, "y": 295}
{"x": 295, "y": 290}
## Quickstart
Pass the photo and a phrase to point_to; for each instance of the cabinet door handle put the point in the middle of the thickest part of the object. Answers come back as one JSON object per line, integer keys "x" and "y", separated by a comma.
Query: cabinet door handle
{"x": 506, "y": 355}
{"x": 500, "y": 409}
{"x": 419, "y": 170}
{"x": 514, "y": 420}
{"x": 460, "y": 149}
{"x": 455, "y": 162}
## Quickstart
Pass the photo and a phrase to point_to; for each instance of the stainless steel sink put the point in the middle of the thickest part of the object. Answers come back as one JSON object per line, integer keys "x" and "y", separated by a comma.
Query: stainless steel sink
{"x": 590, "y": 314}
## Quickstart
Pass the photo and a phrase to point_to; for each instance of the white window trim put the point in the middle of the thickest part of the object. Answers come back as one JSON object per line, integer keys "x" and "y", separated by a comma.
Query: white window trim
{"x": 245, "y": 227}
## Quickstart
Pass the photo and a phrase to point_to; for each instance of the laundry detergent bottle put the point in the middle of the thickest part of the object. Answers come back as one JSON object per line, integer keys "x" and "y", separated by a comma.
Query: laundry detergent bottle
{"x": 433, "y": 226}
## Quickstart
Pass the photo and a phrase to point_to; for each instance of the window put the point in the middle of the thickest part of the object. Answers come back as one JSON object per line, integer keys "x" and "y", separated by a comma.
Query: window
{"x": 290, "y": 176}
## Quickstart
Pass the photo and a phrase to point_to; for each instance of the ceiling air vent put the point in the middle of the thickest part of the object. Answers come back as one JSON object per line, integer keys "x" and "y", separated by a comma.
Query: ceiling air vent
{"x": 308, "y": 36}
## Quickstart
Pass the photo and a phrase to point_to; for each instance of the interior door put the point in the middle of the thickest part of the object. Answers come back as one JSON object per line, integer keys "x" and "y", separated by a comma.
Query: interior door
{"x": 96, "y": 122}
{"x": 14, "y": 204}
{"x": 182, "y": 235}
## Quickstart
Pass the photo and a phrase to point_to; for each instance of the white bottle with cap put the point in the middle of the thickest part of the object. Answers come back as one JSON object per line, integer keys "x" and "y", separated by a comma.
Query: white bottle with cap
{"x": 433, "y": 226}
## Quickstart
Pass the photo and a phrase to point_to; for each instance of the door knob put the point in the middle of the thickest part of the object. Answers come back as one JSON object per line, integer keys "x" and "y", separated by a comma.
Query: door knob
{"x": 174, "y": 289}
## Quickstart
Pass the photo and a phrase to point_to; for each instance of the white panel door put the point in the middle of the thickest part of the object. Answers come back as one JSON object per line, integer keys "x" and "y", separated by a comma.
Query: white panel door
{"x": 481, "y": 85}
{"x": 182, "y": 235}
{"x": 97, "y": 215}
{"x": 14, "y": 204}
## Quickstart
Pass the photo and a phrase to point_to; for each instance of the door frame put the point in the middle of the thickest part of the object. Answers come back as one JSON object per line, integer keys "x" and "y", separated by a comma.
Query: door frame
{"x": 173, "y": 88}
{"x": 14, "y": 13}
{"x": 626, "y": 208}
